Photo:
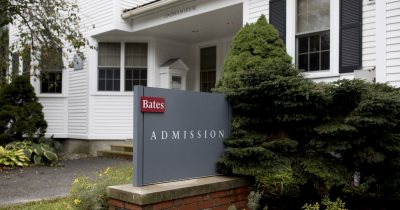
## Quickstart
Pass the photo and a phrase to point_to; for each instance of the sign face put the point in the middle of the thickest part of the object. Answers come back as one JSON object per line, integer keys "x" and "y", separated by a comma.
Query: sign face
{"x": 152, "y": 104}
{"x": 183, "y": 142}
{"x": 78, "y": 62}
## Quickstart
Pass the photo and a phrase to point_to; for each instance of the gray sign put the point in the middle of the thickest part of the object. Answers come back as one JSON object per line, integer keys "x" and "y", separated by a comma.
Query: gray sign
{"x": 182, "y": 138}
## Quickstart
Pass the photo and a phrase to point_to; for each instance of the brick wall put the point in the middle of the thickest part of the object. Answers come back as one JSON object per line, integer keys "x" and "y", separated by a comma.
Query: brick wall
{"x": 219, "y": 200}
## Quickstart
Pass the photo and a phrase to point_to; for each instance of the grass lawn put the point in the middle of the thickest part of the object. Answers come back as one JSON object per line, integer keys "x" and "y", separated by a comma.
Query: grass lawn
{"x": 86, "y": 193}
{"x": 57, "y": 204}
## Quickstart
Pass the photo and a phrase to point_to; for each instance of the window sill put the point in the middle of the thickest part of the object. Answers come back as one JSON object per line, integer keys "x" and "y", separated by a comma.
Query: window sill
{"x": 50, "y": 95}
{"x": 320, "y": 74}
{"x": 112, "y": 93}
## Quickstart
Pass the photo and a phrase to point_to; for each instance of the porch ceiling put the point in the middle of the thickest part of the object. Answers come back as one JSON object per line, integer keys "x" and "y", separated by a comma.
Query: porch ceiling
{"x": 212, "y": 25}
{"x": 208, "y": 26}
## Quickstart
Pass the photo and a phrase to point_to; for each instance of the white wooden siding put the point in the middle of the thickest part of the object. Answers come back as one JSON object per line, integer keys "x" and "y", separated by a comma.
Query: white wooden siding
{"x": 54, "y": 109}
{"x": 256, "y": 8}
{"x": 393, "y": 41}
{"x": 113, "y": 117}
{"x": 368, "y": 37}
{"x": 96, "y": 14}
{"x": 78, "y": 102}
{"x": 129, "y": 4}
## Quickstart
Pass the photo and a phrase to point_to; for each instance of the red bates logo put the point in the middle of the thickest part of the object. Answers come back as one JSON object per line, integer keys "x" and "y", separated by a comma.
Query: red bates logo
{"x": 152, "y": 104}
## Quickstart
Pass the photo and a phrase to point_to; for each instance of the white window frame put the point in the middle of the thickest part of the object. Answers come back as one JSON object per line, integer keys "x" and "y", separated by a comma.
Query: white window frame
{"x": 37, "y": 83}
{"x": 291, "y": 22}
{"x": 94, "y": 62}
{"x": 120, "y": 70}
{"x": 134, "y": 67}
{"x": 216, "y": 64}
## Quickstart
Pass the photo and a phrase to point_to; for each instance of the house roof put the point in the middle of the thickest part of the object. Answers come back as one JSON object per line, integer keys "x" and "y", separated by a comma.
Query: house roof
{"x": 170, "y": 62}
{"x": 151, "y": 6}
{"x": 175, "y": 63}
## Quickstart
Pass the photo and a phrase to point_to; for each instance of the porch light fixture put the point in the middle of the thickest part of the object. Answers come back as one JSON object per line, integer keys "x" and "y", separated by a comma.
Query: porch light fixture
{"x": 229, "y": 23}
{"x": 195, "y": 31}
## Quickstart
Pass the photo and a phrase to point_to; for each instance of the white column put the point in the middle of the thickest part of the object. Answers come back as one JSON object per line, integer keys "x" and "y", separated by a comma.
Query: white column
{"x": 334, "y": 36}
{"x": 246, "y": 11}
{"x": 291, "y": 28}
{"x": 381, "y": 74}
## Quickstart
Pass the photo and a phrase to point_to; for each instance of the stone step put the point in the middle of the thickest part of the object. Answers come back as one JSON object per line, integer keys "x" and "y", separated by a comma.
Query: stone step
{"x": 122, "y": 147}
{"x": 115, "y": 154}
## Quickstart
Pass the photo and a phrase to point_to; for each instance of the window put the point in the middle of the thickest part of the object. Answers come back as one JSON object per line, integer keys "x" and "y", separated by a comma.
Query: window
{"x": 51, "y": 82}
{"x": 176, "y": 82}
{"x": 313, "y": 34}
{"x": 135, "y": 65}
{"x": 51, "y": 66}
{"x": 208, "y": 66}
{"x": 14, "y": 64}
{"x": 109, "y": 62}
{"x": 26, "y": 60}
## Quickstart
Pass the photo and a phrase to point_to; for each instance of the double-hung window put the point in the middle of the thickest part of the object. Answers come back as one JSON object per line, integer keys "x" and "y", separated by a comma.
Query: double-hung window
{"x": 135, "y": 65}
{"x": 109, "y": 59}
{"x": 313, "y": 35}
{"x": 208, "y": 67}
{"x": 51, "y": 65}
{"x": 328, "y": 33}
{"x": 112, "y": 74}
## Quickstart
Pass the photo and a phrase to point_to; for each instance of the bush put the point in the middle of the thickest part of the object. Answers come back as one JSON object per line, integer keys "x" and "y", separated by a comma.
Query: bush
{"x": 45, "y": 151}
{"x": 330, "y": 205}
{"x": 12, "y": 157}
{"x": 302, "y": 138}
{"x": 21, "y": 114}
{"x": 87, "y": 194}
{"x": 272, "y": 105}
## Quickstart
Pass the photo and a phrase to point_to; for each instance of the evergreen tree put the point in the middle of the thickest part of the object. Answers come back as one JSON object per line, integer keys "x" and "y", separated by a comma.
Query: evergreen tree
{"x": 21, "y": 114}
{"x": 363, "y": 134}
{"x": 273, "y": 105}
{"x": 295, "y": 136}
{"x": 3, "y": 54}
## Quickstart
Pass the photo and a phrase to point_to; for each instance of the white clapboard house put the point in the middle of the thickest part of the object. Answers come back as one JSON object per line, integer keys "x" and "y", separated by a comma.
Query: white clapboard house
{"x": 182, "y": 44}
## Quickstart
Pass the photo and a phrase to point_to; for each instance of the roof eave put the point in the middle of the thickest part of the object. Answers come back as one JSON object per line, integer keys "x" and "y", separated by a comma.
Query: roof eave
{"x": 147, "y": 8}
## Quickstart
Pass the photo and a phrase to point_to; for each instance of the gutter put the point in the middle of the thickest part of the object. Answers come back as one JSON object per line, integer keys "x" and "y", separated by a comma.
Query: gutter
{"x": 148, "y": 8}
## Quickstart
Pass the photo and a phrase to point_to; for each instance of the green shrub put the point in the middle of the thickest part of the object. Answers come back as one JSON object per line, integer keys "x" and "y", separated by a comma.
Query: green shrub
{"x": 329, "y": 205}
{"x": 278, "y": 184}
{"x": 299, "y": 137}
{"x": 21, "y": 114}
{"x": 272, "y": 105}
{"x": 12, "y": 157}
{"x": 91, "y": 194}
{"x": 253, "y": 200}
{"x": 39, "y": 153}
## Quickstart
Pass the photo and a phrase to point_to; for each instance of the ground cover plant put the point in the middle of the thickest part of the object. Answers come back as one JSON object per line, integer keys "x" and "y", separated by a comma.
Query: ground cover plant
{"x": 303, "y": 140}
{"x": 42, "y": 152}
{"x": 13, "y": 157}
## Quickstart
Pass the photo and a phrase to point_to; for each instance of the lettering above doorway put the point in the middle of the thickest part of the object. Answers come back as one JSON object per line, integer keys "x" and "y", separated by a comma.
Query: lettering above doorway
{"x": 180, "y": 11}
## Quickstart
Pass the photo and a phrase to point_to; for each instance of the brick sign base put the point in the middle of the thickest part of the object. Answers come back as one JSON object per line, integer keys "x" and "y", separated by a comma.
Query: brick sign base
{"x": 213, "y": 193}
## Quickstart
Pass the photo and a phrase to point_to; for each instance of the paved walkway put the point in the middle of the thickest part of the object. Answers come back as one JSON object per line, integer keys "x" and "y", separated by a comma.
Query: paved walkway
{"x": 40, "y": 182}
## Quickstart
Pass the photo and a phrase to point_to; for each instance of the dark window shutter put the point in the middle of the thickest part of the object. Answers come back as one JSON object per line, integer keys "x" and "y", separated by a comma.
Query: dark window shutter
{"x": 277, "y": 17}
{"x": 350, "y": 57}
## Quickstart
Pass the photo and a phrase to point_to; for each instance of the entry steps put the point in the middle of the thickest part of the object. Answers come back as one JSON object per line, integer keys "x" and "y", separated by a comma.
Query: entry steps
{"x": 124, "y": 151}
